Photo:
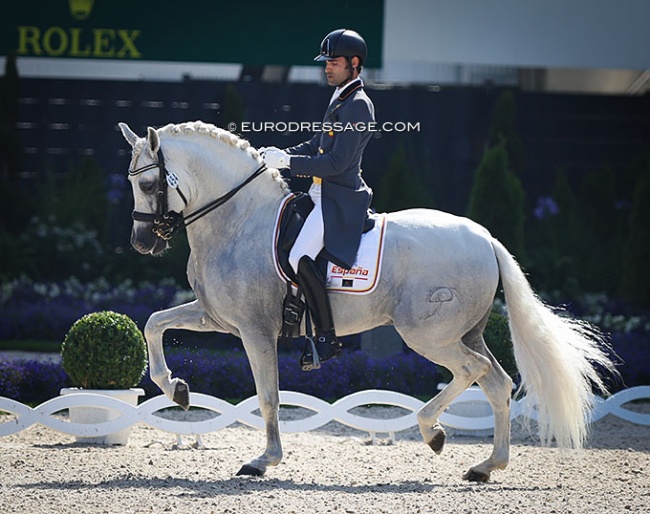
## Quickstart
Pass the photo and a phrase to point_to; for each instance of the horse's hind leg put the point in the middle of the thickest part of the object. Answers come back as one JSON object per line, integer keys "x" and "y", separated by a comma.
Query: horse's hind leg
{"x": 189, "y": 316}
{"x": 467, "y": 366}
{"x": 497, "y": 386}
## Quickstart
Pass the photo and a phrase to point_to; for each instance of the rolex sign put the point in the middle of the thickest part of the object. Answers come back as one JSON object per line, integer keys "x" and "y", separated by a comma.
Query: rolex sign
{"x": 245, "y": 32}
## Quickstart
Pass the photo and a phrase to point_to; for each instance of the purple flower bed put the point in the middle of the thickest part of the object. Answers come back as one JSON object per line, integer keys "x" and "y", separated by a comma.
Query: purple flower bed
{"x": 30, "y": 310}
{"x": 46, "y": 311}
{"x": 227, "y": 375}
{"x": 626, "y": 328}
{"x": 633, "y": 350}
{"x": 31, "y": 381}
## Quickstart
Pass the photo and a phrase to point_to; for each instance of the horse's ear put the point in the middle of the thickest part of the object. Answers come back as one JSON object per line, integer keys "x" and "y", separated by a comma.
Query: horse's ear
{"x": 128, "y": 134}
{"x": 153, "y": 140}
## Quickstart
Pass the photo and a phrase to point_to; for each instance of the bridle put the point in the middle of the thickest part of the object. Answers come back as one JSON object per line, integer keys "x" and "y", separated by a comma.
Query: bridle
{"x": 165, "y": 222}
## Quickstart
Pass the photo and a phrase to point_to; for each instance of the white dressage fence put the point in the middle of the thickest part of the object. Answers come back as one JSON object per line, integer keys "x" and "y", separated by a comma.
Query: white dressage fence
{"x": 224, "y": 414}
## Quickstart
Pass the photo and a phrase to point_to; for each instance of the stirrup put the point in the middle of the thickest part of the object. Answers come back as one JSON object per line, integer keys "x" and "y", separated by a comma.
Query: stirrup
{"x": 309, "y": 360}
{"x": 321, "y": 349}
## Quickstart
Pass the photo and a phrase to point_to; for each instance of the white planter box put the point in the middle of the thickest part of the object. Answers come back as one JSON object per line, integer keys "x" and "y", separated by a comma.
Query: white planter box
{"x": 92, "y": 415}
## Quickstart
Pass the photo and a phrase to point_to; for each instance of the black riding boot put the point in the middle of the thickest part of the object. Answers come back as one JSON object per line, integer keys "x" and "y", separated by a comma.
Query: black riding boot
{"x": 313, "y": 285}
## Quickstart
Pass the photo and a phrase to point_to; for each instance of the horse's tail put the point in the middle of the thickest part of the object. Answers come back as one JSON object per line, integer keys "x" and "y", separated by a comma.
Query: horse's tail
{"x": 556, "y": 356}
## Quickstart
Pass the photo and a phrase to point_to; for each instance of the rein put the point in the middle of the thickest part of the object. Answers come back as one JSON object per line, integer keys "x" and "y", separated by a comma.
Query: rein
{"x": 166, "y": 222}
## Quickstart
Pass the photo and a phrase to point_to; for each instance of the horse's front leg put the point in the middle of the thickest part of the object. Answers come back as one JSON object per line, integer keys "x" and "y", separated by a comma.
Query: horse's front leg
{"x": 189, "y": 316}
{"x": 263, "y": 357}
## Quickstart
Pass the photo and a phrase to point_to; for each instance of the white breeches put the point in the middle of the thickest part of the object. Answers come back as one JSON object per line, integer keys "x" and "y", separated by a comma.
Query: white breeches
{"x": 311, "y": 239}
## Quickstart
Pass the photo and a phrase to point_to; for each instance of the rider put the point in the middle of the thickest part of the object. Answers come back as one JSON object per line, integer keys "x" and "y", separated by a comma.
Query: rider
{"x": 332, "y": 157}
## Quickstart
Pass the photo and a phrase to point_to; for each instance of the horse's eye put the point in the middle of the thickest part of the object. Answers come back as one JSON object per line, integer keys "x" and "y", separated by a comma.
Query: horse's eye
{"x": 148, "y": 188}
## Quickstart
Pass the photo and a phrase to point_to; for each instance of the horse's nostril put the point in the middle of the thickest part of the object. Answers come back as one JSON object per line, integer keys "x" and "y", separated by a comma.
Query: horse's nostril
{"x": 138, "y": 245}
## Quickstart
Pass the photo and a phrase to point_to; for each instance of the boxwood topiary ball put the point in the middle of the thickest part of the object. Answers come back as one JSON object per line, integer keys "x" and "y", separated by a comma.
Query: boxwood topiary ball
{"x": 104, "y": 350}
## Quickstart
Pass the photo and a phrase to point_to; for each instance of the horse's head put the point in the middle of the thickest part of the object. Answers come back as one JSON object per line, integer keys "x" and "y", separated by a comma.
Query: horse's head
{"x": 149, "y": 181}
{"x": 200, "y": 168}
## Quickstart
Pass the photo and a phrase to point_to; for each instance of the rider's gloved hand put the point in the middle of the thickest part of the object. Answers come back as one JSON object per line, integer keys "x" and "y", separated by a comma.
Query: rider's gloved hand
{"x": 263, "y": 149}
{"x": 276, "y": 158}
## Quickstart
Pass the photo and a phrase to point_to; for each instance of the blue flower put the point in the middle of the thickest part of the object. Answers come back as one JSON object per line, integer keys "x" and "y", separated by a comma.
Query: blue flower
{"x": 545, "y": 208}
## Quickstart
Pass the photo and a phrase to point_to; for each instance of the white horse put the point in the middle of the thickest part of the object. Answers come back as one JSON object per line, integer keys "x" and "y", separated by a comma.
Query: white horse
{"x": 229, "y": 201}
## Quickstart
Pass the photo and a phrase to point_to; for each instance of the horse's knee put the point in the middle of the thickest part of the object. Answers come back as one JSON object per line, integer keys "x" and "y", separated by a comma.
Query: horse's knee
{"x": 152, "y": 327}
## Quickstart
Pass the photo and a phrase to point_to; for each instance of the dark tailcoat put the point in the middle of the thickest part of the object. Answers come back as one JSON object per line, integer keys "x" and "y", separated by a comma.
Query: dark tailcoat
{"x": 335, "y": 157}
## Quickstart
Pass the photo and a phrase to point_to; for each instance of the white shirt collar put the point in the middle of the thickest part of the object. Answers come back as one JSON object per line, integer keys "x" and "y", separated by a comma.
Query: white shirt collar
{"x": 337, "y": 91}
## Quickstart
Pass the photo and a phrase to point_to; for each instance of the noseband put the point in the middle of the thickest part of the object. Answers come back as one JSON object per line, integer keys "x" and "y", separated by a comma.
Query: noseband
{"x": 165, "y": 222}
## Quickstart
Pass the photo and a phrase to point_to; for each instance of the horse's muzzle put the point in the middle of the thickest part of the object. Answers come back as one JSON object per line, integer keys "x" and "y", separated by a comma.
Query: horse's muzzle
{"x": 145, "y": 241}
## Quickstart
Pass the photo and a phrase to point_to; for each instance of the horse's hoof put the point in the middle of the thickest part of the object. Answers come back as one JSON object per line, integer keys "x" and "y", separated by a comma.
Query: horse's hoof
{"x": 476, "y": 476}
{"x": 250, "y": 471}
{"x": 437, "y": 443}
{"x": 182, "y": 394}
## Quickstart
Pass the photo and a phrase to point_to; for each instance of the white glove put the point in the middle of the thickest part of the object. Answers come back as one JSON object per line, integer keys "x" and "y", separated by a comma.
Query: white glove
{"x": 263, "y": 149}
{"x": 275, "y": 158}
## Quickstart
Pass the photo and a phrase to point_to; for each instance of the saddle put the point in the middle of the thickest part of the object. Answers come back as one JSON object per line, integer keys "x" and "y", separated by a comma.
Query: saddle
{"x": 292, "y": 219}
{"x": 291, "y": 222}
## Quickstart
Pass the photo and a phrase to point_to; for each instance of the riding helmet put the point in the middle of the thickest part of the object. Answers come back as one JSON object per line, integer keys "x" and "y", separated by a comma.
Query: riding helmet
{"x": 343, "y": 43}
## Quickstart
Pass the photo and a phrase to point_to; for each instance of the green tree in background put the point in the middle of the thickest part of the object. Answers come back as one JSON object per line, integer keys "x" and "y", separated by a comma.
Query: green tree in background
{"x": 400, "y": 188}
{"x": 497, "y": 200}
{"x": 79, "y": 197}
{"x": 604, "y": 230}
{"x": 502, "y": 128}
{"x": 555, "y": 239}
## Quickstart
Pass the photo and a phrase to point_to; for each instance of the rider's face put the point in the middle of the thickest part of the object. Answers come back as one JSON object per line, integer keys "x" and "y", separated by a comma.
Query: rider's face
{"x": 337, "y": 71}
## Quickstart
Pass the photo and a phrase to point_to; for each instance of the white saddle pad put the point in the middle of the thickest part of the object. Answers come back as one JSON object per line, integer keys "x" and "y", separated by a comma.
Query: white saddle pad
{"x": 364, "y": 276}
{"x": 360, "y": 279}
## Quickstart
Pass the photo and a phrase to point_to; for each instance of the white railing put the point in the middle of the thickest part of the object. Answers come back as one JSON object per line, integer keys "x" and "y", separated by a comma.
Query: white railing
{"x": 225, "y": 414}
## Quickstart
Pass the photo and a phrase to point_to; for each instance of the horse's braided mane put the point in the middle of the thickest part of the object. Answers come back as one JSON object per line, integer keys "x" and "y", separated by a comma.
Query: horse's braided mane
{"x": 200, "y": 127}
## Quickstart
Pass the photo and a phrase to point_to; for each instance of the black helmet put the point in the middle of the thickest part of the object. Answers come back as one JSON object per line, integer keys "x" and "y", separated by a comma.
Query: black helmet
{"x": 343, "y": 43}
